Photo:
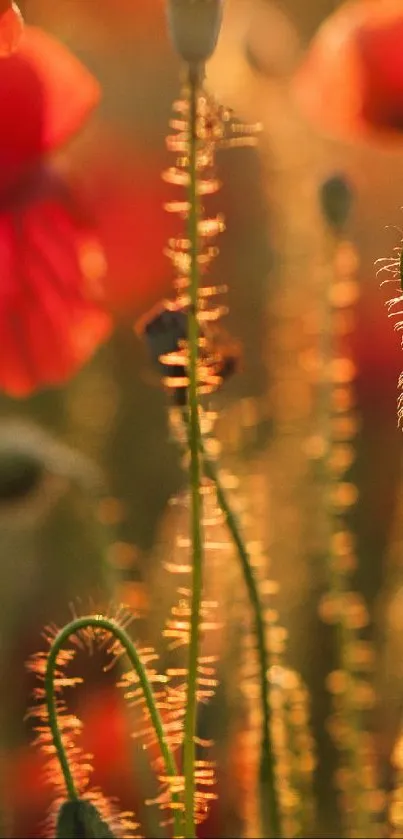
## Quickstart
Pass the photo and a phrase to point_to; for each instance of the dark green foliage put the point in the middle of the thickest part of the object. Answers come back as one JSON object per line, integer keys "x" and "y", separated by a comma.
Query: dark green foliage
{"x": 80, "y": 820}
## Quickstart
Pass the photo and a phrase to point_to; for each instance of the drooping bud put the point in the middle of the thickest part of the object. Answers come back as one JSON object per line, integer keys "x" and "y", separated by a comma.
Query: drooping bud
{"x": 79, "y": 819}
{"x": 194, "y": 26}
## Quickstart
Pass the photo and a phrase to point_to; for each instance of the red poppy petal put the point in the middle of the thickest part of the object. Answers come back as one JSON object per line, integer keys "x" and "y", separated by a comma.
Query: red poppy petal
{"x": 16, "y": 376}
{"x": 380, "y": 52}
{"x": 48, "y": 323}
{"x": 328, "y": 84}
{"x": 70, "y": 91}
{"x": 351, "y": 82}
{"x": 127, "y": 195}
{"x": 45, "y": 96}
{"x": 11, "y": 28}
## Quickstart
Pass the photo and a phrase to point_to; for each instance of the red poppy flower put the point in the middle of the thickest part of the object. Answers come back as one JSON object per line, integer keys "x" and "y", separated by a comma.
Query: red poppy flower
{"x": 351, "y": 82}
{"x": 124, "y": 190}
{"x": 45, "y": 96}
{"x": 48, "y": 322}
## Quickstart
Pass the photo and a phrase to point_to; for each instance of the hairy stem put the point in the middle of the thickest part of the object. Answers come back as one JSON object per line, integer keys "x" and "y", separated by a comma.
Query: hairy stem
{"x": 269, "y": 805}
{"x": 360, "y": 819}
{"x": 189, "y": 752}
{"x": 99, "y": 622}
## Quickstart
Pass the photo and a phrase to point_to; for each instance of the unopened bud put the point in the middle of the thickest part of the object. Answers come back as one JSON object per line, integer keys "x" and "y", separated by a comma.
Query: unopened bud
{"x": 194, "y": 26}
{"x": 336, "y": 196}
{"x": 80, "y": 819}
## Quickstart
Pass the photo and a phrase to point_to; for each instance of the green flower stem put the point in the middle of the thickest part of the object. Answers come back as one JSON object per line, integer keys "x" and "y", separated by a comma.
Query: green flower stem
{"x": 105, "y": 536}
{"x": 189, "y": 750}
{"x": 269, "y": 805}
{"x": 99, "y": 622}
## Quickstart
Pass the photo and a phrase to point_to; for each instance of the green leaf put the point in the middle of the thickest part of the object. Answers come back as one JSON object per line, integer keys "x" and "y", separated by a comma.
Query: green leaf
{"x": 80, "y": 820}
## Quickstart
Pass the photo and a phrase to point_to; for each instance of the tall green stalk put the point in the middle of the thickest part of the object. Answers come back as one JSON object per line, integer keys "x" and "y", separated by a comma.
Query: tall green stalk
{"x": 270, "y": 813}
{"x": 189, "y": 750}
{"x": 269, "y": 805}
{"x": 100, "y": 622}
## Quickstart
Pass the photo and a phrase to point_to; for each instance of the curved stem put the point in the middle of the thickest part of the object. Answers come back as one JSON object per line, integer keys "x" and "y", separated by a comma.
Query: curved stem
{"x": 99, "y": 622}
{"x": 269, "y": 805}
{"x": 189, "y": 751}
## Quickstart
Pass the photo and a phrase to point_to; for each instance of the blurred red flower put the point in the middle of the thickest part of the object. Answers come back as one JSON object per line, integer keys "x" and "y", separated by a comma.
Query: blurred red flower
{"x": 11, "y": 27}
{"x": 124, "y": 191}
{"x": 48, "y": 322}
{"x": 351, "y": 81}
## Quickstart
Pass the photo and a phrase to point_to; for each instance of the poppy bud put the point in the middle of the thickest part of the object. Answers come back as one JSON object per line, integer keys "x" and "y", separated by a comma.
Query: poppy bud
{"x": 336, "y": 197}
{"x": 194, "y": 26}
{"x": 81, "y": 820}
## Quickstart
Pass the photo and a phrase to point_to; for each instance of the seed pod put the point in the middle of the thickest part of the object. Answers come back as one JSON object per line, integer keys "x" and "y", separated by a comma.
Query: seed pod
{"x": 336, "y": 198}
{"x": 80, "y": 820}
{"x": 194, "y": 27}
